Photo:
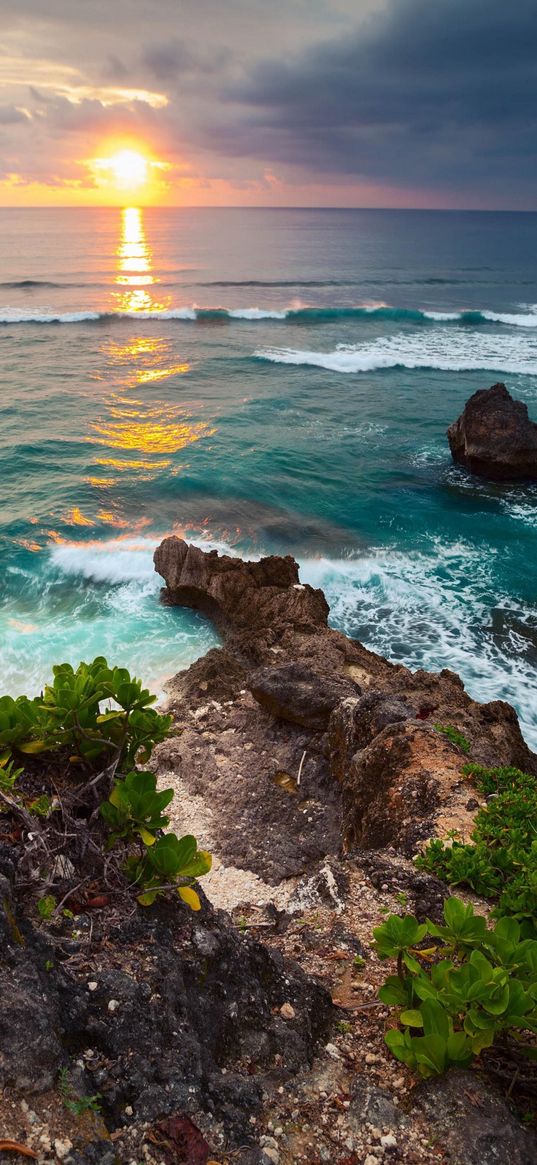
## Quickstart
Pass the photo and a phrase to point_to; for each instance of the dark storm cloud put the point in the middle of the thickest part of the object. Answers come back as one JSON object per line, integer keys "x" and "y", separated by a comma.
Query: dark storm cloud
{"x": 435, "y": 91}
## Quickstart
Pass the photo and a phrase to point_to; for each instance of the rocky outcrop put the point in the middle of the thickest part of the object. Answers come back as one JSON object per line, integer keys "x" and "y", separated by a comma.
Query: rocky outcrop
{"x": 473, "y": 1122}
{"x": 245, "y": 597}
{"x": 173, "y": 1013}
{"x": 296, "y": 693}
{"x": 494, "y": 437}
{"x": 294, "y": 720}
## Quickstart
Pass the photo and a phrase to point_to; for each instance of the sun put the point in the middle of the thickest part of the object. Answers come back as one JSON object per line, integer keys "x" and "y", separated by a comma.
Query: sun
{"x": 129, "y": 169}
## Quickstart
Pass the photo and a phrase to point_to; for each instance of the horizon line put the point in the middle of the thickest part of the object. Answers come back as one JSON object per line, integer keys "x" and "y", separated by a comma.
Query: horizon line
{"x": 283, "y": 206}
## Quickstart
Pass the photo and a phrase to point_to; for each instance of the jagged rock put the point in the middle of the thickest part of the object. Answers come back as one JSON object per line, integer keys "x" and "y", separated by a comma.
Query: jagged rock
{"x": 380, "y": 735}
{"x": 237, "y": 595}
{"x": 191, "y": 997}
{"x": 296, "y": 693}
{"x": 472, "y": 1122}
{"x": 356, "y": 722}
{"x": 404, "y": 787}
{"x": 494, "y": 436}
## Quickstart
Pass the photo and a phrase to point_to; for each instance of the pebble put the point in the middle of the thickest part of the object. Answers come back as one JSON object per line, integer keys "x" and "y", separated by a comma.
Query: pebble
{"x": 93, "y": 985}
{"x": 62, "y": 1148}
{"x": 388, "y": 1141}
{"x": 113, "y": 1004}
{"x": 128, "y": 1110}
{"x": 332, "y": 1051}
{"x": 287, "y": 1011}
{"x": 271, "y": 1156}
{"x": 371, "y": 1058}
{"x": 371, "y": 1160}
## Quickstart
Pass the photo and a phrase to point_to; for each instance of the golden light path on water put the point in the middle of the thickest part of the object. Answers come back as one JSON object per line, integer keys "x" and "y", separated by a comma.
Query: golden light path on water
{"x": 142, "y": 431}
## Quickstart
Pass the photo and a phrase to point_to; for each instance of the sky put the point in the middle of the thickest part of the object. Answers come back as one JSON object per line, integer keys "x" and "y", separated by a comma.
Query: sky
{"x": 410, "y": 103}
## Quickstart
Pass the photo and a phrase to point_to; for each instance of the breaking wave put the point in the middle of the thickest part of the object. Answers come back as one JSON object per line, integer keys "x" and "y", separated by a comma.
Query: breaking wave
{"x": 438, "y": 349}
{"x": 436, "y": 609}
{"x": 293, "y": 314}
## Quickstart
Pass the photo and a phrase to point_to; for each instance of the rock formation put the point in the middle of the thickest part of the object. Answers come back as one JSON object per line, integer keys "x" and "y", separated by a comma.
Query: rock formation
{"x": 494, "y": 437}
{"x": 288, "y": 687}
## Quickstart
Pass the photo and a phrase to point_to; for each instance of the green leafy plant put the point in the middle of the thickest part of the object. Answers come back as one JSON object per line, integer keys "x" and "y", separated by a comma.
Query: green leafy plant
{"x": 501, "y": 859}
{"x": 41, "y": 806}
{"x": 171, "y": 863}
{"x": 19, "y": 723}
{"x": 95, "y": 711}
{"x": 459, "y": 992}
{"x": 78, "y": 1105}
{"x": 46, "y": 907}
{"x": 134, "y": 808}
{"x": 100, "y": 718}
{"x": 9, "y": 776}
{"x": 454, "y": 736}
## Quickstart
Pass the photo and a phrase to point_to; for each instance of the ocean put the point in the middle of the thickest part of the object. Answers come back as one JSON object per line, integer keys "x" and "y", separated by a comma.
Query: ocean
{"x": 263, "y": 381}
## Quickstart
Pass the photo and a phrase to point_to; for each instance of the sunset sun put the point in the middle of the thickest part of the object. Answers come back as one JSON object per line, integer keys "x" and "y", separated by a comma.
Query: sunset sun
{"x": 128, "y": 168}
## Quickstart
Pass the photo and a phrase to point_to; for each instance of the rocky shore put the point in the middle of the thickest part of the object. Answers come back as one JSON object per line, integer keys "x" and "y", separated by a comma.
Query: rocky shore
{"x": 251, "y": 1033}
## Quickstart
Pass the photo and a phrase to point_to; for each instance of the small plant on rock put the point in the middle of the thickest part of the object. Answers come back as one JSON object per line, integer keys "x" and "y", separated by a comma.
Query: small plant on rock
{"x": 96, "y": 721}
{"x": 454, "y": 736}
{"x": 134, "y": 808}
{"x": 461, "y": 991}
{"x": 171, "y": 863}
{"x": 501, "y": 859}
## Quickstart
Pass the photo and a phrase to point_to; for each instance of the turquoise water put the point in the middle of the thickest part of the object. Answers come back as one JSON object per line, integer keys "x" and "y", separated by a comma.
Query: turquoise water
{"x": 263, "y": 381}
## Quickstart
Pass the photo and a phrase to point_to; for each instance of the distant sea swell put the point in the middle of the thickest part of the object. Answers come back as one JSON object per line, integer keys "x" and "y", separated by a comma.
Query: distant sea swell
{"x": 294, "y": 314}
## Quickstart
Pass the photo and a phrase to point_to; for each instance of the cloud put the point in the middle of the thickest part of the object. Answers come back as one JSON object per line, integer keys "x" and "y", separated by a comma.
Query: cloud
{"x": 427, "y": 96}
{"x": 441, "y": 92}
{"x": 12, "y": 115}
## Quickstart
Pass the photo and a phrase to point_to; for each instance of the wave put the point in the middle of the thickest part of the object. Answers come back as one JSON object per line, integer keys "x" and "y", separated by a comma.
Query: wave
{"x": 468, "y": 351}
{"x": 294, "y": 314}
{"x": 436, "y": 608}
{"x": 120, "y": 560}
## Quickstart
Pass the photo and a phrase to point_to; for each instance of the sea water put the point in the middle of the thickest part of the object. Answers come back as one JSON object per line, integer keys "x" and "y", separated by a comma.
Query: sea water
{"x": 263, "y": 381}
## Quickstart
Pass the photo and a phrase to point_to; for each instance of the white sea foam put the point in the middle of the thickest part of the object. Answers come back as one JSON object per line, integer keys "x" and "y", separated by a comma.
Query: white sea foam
{"x": 256, "y": 313}
{"x": 113, "y": 561}
{"x": 121, "y": 560}
{"x": 514, "y": 319}
{"x": 437, "y": 349}
{"x": 295, "y": 311}
{"x": 432, "y": 610}
{"x": 12, "y": 316}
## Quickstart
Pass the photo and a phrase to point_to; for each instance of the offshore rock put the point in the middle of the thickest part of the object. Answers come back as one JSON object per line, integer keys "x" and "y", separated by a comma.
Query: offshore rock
{"x": 494, "y": 437}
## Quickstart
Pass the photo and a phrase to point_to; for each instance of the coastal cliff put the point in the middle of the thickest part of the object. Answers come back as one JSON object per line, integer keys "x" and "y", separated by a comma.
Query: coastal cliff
{"x": 315, "y": 771}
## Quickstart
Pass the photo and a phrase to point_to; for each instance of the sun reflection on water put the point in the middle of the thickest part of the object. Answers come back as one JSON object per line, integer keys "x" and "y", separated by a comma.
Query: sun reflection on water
{"x": 137, "y": 431}
{"x": 135, "y": 266}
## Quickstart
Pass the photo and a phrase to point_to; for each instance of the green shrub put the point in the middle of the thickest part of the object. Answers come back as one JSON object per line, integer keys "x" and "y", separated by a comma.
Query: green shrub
{"x": 134, "y": 808}
{"x": 171, "y": 862}
{"x": 454, "y": 736}
{"x": 100, "y": 718}
{"x": 9, "y": 776}
{"x": 501, "y": 860}
{"x": 458, "y": 993}
{"x": 95, "y": 712}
